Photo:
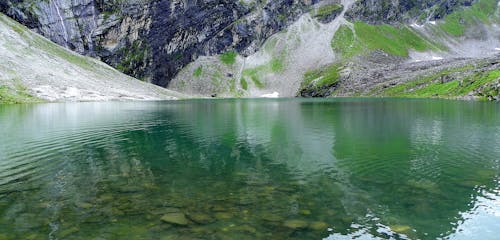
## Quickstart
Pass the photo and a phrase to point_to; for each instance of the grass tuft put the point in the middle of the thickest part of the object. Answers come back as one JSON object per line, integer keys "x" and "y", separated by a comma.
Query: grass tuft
{"x": 228, "y": 58}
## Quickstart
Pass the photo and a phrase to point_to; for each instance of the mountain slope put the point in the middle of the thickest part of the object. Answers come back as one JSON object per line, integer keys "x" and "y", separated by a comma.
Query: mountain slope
{"x": 33, "y": 68}
{"x": 283, "y": 48}
{"x": 314, "y": 58}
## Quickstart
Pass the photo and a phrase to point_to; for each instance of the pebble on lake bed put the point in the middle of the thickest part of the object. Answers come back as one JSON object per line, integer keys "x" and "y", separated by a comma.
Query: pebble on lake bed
{"x": 200, "y": 218}
{"x": 318, "y": 226}
{"x": 175, "y": 218}
{"x": 295, "y": 224}
{"x": 400, "y": 228}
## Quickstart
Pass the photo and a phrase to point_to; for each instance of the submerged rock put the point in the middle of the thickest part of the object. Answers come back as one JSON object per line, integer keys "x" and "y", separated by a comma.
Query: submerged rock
{"x": 200, "y": 218}
{"x": 223, "y": 215}
{"x": 318, "y": 226}
{"x": 400, "y": 228}
{"x": 271, "y": 217}
{"x": 175, "y": 218}
{"x": 295, "y": 224}
{"x": 84, "y": 205}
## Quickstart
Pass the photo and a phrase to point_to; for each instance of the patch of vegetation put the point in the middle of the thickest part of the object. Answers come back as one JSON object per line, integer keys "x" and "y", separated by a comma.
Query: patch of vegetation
{"x": 345, "y": 42}
{"x": 198, "y": 71}
{"x": 434, "y": 86}
{"x": 132, "y": 58}
{"x": 277, "y": 65}
{"x": 253, "y": 74}
{"x": 243, "y": 83}
{"x": 390, "y": 39}
{"x": 228, "y": 58}
{"x": 326, "y": 11}
{"x": 232, "y": 85}
{"x": 322, "y": 77}
{"x": 17, "y": 95}
{"x": 457, "y": 22}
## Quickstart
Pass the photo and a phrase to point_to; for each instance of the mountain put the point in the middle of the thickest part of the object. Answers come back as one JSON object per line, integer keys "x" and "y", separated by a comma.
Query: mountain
{"x": 34, "y": 69}
{"x": 310, "y": 48}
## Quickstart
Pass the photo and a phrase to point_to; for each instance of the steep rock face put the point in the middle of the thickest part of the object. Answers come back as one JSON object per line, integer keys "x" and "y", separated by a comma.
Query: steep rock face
{"x": 67, "y": 23}
{"x": 154, "y": 39}
{"x": 392, "y": 11}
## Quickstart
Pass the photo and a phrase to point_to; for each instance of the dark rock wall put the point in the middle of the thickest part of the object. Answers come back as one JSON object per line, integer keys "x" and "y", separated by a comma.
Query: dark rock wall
{"x": 154, "y": 39}
{"x": 396, "y": 11}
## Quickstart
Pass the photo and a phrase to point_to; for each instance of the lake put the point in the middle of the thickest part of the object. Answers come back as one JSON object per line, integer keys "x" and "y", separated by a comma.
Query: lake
{"x": 251, "y": 169}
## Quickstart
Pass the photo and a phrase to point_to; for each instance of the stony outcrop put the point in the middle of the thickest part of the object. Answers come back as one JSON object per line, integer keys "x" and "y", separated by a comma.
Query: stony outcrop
{"x": 391, "y": 11}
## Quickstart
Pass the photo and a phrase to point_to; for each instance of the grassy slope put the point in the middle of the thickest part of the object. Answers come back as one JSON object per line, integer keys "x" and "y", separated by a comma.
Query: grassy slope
{"x": 481, "y": 84}
{"x": 390, "y": 39}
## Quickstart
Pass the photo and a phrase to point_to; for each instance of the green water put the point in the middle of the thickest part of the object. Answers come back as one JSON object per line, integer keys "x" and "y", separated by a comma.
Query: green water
{"x": 251, "y": 169}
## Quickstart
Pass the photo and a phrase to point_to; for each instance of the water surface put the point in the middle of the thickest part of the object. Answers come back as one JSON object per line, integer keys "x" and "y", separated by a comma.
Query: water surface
{"x": 251, "y": 169}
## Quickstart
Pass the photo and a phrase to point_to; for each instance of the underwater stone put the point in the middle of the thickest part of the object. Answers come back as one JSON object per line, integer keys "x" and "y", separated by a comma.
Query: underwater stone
{"x": 400, "y": 228}
{"x": 200, "y": 218}
{"x": 223, "y": 215}
{"x": 295, "y": 224}
{"x": 271, "y": 217}
{"x": 318, "y": 226}
{"x": 175, "y": 218}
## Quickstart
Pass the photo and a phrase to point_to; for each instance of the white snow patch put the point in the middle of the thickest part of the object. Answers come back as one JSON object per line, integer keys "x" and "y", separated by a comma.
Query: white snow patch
{"x": 498, "y": 49}
{"x": 414, "y": 25}
{"x": 425, "y": 56}
{"x": 432, "y": 22}
{"x": 271, "y": 95}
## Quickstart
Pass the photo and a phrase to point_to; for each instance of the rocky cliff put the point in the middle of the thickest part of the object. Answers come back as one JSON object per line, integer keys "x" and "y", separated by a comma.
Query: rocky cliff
{"x": 153, "y": 40}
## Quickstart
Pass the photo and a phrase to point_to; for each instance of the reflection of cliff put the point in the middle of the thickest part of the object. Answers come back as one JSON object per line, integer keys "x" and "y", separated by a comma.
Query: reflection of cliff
{"x": 287, "y": 132}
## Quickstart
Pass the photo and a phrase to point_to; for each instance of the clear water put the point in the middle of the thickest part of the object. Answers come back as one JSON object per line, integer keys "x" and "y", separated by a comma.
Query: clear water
{"x": 251, "y": 169}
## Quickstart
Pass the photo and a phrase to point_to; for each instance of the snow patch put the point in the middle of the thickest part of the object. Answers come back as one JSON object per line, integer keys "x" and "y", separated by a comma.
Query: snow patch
{"x": 415, "y": 25}
{"x": 271, "y": 95}
{"x": 432, "y": 22}
{"x": 498, "y": 49}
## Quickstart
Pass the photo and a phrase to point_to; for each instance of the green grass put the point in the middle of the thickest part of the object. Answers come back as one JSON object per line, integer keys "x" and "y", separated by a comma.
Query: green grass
{"x": 228, "y": 58}
{"x": 276, "y": 65}
{"x": 346, "y": 43}
{"x": 198, "y": 71}
{"x": 431, "y": 86}
{"x": 243, "y": 83}
{"x": 132, "y": 57}
{"x": 365, "y": 37}
{"x": 457, "y": 22}
{"x": 16, "y": 96}
{"x": 324, "y": 77}
{"x": 253, "y": 74}
{"x": 327, "y": 10}
{"x": 393, "y": 40}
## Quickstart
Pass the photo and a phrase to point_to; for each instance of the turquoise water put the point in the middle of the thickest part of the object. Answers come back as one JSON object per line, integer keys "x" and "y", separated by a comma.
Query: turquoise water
{"x": 251, "y": 169}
